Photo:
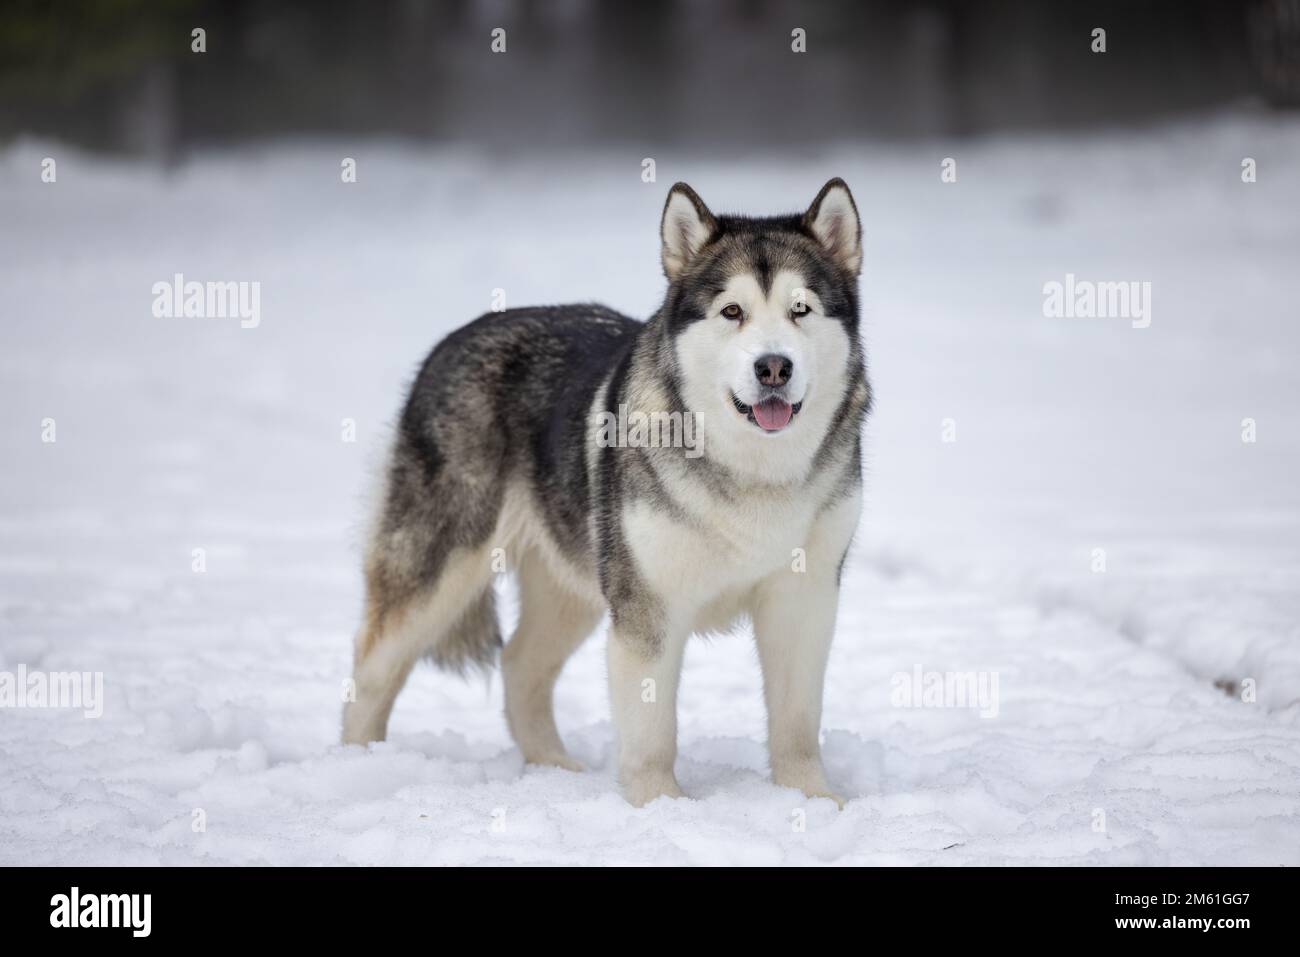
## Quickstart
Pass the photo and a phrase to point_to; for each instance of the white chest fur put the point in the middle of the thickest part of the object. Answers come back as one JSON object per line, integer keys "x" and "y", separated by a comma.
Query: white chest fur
{"x": 703, "y": 564}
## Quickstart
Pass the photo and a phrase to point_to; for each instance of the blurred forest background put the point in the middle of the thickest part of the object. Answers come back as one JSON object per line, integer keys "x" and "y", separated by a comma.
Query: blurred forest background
{"x": 120, "y": 75}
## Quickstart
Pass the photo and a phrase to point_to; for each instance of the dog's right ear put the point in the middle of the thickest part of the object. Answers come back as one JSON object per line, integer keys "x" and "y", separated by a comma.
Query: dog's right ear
{"x": 686, "y": 226}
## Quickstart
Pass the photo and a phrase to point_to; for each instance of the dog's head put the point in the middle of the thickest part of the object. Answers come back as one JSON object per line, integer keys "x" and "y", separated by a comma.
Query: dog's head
{"x": 762, "y": 318}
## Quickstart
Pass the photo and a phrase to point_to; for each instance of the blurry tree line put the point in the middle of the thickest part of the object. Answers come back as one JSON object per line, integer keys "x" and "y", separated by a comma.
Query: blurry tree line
{"x": 121, "y": 74}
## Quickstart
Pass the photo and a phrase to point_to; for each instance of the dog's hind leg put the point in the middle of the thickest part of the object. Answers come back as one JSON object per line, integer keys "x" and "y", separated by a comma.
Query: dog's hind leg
{"x": 451, "y": 620}
{"x": 552, "y": 624}
{"x": 382, "y": 660}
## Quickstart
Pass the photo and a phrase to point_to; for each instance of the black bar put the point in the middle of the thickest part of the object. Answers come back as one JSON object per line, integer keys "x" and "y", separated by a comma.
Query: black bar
{"x": 343, "y": 907}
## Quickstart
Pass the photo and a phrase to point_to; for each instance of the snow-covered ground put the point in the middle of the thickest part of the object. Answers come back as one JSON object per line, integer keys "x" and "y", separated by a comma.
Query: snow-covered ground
{"x": 1111, "y": 742}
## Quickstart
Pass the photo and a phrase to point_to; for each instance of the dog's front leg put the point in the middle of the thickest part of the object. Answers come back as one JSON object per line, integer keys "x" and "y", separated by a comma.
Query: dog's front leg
{"x": 794, "y": 622}
{"x": 644, "y": 669}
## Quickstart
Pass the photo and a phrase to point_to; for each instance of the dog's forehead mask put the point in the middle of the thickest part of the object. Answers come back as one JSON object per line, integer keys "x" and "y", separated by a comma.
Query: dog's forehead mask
{"x": 746, "y": 288}
{"x": 762, "y": 248}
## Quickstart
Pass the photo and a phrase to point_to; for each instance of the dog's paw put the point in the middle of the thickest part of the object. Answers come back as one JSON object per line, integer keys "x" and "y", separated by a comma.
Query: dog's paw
{"x": 555, "y": 759}
{"x": 811, "y": 781}
{"x": 825, "y": 792}
{"x": 642, "y": 789}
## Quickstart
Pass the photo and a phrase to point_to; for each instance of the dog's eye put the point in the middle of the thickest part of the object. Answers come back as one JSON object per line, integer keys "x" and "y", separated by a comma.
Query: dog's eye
{"x": 800, "y": 309}
{"x": 732, "y": 311}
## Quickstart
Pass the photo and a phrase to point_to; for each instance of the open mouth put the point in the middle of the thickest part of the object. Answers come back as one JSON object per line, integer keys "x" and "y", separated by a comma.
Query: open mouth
{"x": 770, "y": 415}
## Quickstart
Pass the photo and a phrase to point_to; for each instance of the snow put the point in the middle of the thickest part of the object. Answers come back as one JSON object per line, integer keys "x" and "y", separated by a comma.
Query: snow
{"x": 223, "y": 687}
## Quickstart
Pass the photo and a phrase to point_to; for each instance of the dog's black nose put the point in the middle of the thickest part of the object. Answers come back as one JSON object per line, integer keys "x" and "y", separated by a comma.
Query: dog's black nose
{"x": 773, "y": 370}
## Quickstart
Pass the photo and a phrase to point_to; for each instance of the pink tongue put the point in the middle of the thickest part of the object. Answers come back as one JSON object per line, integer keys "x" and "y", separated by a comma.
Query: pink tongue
{"x": 773, "y": 414}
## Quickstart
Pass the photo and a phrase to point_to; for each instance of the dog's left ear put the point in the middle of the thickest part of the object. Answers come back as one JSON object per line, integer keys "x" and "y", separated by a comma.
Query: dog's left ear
{"x": 833, "y": 220}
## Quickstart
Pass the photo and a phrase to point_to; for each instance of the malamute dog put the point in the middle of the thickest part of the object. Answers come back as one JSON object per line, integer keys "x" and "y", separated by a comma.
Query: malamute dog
{"x": 506, "y": 456}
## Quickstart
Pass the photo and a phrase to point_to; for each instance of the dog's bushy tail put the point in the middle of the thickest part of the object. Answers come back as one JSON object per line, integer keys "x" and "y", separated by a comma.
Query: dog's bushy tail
{"x": 474, "y": 640}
